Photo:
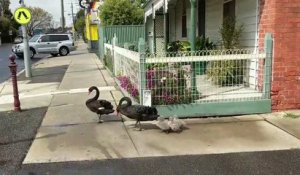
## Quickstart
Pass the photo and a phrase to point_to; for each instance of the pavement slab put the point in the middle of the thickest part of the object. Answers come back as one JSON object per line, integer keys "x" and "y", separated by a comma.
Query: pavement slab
{"x": 108, "y": 78}
{"x": 82, "y": 80}
{"x": 28, "y": 103}
{"x": 78, "y": 98}
{"x": 28, "y": 89}
{"x": 117, "y": 95}
{"x": 79, "y": 68}
{"x": 91, "y": 141}
{"x": 290, "y": 125}
{"x": 211, "y": 138}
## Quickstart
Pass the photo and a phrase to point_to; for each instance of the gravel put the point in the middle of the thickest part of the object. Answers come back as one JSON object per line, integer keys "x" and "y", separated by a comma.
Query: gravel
{"x": 17, "y": 131}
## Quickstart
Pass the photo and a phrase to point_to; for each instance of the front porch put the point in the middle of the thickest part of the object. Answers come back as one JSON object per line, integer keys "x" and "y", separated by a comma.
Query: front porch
{"x": 167, "y": 21}
{"x": 195, "y": 81}
{"x": 176, "y": 84}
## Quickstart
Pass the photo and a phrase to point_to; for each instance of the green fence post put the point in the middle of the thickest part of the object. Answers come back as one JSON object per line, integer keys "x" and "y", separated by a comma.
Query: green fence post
{"x": 142, "y": 69}
{"x": 101, "y": 41}
{"x": 268, "y": 65}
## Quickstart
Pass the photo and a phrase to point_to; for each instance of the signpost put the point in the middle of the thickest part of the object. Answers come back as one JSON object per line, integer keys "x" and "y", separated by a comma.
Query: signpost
{"x": 23, "y": 16}
{"x": 10, "y": 35}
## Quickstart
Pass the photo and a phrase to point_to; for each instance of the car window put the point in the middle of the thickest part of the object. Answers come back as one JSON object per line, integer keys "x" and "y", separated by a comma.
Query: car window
{"x": 34, "y": 38}
{"x": 64, "y": 37}
{"x": 45, "y": 39}
{"x": 55, "y": 38}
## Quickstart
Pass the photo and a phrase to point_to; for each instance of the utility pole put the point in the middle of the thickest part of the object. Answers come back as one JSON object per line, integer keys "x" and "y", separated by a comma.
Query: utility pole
{"x": 62, "y": 16}
{"x": 27, "y": 60}
{"x": 72, "y": 14}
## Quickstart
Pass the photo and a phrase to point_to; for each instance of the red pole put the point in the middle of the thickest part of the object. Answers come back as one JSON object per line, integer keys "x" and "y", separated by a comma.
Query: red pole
{"x": 13, "y": 70}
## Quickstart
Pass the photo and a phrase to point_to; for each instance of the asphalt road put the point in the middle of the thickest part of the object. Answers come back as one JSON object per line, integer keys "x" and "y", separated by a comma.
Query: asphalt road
{"x": 5, "y": 51}
{"x": 17, "y": 131}
{"x": 256, "y": 163}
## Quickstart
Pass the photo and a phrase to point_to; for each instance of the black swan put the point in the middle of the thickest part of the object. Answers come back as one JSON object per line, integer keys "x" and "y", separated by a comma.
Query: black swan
{"x": 137, "y": 112}
{"x": 99, "y": 107}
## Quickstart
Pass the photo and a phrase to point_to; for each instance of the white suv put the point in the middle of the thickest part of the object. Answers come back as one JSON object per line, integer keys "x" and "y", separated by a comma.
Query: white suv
{"x": 53, "y": 44}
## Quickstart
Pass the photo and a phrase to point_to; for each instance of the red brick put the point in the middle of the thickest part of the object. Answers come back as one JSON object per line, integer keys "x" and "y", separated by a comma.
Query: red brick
{"x": 282, "y": 18}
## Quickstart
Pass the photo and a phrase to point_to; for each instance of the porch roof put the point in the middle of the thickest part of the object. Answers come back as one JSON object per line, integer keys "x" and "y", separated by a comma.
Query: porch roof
{"x": 152, "y": 6}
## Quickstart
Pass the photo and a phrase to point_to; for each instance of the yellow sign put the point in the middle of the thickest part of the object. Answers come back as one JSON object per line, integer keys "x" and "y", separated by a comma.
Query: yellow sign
{"x": 22, "y": 15}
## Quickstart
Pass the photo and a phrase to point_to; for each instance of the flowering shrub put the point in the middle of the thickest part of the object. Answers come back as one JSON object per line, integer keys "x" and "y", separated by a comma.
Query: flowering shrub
{"x": 127, "y": 85}
{"x": 169, "y": 86}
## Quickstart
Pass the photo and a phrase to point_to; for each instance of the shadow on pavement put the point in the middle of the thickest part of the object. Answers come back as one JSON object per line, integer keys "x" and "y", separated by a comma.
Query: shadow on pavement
{"x": 15, "y": 129}
{"x": 45, "y": 75}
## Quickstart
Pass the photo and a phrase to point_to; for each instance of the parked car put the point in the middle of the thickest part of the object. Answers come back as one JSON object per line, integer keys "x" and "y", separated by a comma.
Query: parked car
{"x": 53, "y": 44}
{"x": 18, "y": 40}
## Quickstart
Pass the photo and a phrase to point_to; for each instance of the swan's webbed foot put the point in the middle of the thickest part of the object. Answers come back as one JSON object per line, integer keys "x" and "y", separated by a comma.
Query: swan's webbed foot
{"x": 140, "y": 126}
{"x": 100, "y": 121}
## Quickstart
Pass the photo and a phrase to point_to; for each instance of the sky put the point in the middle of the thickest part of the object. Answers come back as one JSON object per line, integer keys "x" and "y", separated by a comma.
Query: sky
{"x": 52, "y": 6}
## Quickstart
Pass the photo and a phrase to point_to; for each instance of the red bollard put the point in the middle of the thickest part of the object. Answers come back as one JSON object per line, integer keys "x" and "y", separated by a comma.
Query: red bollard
{"x": 13, "y": 70}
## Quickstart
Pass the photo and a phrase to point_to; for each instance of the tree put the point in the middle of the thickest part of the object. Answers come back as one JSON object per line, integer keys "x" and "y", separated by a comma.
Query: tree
{"x": 4, "y": 8}
{"x": 80, "y": 21}
{"x": 80, "y": 14}
{"x": 80, "y": 25}
{"x": 121, "y": 12}
{"x": 39, "y": 19}
{"x": 7, "y": 23}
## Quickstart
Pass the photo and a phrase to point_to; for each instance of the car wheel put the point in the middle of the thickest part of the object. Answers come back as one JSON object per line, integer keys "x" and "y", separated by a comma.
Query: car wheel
{"x": 31, "y": 53}
{"x": 54, "y": 54}
{"x": 63, "y": 51}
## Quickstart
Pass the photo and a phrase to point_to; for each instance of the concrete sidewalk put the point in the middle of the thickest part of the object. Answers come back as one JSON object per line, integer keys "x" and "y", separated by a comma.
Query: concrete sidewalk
{"x": 70, "y": 132}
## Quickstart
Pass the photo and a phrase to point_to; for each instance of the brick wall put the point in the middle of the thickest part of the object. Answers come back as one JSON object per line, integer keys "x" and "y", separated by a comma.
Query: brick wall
{"x": 282, "y": 19}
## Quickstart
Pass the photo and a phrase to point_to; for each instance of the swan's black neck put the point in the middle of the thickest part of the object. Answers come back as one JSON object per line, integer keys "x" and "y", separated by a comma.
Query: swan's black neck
{"x": 97, "y": 93}
{"x": 127, "y": 99}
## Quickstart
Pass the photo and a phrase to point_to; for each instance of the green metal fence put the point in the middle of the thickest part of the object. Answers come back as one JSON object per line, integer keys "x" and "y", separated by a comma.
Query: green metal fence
{"x": 234, "y": 81}
{"x": 129, "y": 34}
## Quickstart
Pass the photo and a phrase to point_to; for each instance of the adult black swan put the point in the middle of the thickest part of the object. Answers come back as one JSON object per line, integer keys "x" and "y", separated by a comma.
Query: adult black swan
{"x": 99, "y": 107}
{"x": 136, "y": 112}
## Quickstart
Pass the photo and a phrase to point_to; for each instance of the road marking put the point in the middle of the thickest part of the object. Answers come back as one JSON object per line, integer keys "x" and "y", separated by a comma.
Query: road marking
{"x": 6, "y": 99}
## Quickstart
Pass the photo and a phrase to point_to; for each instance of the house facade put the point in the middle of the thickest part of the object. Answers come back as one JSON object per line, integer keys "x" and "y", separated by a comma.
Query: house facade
{"x": 184, "y": 20}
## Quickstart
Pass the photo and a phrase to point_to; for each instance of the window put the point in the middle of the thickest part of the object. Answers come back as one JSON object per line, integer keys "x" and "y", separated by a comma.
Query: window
{"x": 45, "y": 39}
{"x": 229, "y": 9}
{"x": 183, "y": 20}
{"x": 34, "y": 38}
{"x": 55, "y": 38}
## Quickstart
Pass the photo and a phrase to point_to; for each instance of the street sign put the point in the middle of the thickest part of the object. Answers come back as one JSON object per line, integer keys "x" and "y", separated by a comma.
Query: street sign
{"x": 22, "y": 15}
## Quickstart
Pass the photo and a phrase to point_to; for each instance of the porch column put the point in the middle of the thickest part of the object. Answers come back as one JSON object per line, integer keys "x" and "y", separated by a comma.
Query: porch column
{"x": 193, "y": 45}
{"x": 166, "y": 25}
{"x": 154, "y": 29}
{"x": 193, "y": 25}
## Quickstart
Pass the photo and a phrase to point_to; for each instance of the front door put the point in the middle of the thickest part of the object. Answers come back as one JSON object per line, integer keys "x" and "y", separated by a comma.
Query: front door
{"x": 54, "y": 41}
{"x": 43, "y": 44}
{"x": 201, "y": 17}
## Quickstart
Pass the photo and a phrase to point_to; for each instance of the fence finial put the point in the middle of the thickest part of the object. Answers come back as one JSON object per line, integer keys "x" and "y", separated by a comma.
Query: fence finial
{"x": 115, "y": 41}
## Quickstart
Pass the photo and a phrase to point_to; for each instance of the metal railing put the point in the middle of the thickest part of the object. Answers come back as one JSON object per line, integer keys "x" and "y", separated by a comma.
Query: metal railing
{"x": 195, "y": 78}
